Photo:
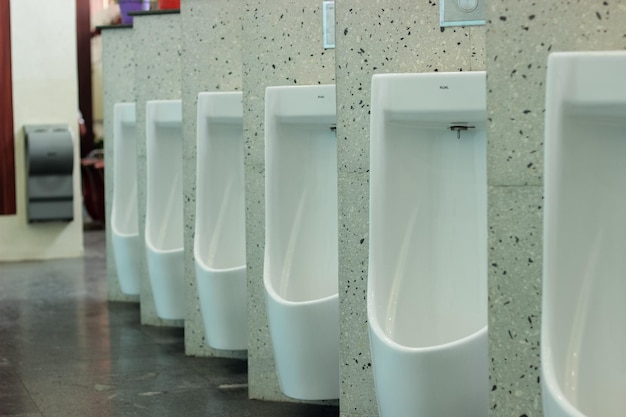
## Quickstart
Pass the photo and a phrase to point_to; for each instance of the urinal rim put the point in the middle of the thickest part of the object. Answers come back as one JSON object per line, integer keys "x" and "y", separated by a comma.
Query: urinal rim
{"x": 207, "y": 268}
{"x": 549, "y": 381}
{"x": 204, "y": 99}
{"x": 151, "y": 247}
{"x": 271, "y": 292}
{"x": 119, "y": 109}
{"x": 114, "y": 227}
{"x": 205, "y": 94}
{"x": 374, "y": 325}
{"x": 270, "y": 123}
{"x": 151, "y": 107}
{"x": 551, "y": 386}
{"x": 269, "y": 289}
{"x": 429, "y": 74}
{"x": 381, "y": 335}
{"x": 116, "y": 232}
{"x": 277, "y": 87}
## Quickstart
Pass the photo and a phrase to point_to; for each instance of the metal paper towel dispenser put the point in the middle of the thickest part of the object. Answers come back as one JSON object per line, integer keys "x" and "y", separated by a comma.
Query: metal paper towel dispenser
{"x": 49, "y": 169}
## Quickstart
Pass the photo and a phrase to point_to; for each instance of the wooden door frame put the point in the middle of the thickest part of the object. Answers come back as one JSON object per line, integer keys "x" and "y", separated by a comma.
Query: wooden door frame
{"x": 83, "y": 51}
{"x": 7, "y": 142}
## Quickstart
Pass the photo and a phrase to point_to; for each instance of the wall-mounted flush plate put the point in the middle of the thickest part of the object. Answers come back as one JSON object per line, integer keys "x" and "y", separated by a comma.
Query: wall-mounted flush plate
{"x": 462, "y": 12}
{"x": 328, "y": 15}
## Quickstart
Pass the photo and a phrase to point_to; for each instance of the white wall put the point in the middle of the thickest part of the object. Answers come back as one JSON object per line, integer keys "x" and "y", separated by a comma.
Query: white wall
{"x": 43, "y": 43}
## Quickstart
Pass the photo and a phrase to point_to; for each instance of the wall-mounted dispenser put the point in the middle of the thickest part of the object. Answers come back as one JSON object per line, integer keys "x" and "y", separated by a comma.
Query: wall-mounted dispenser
{"x": 49, "y": 151}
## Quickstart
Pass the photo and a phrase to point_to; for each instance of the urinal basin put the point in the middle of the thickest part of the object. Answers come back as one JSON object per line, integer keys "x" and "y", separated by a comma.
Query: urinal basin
{"x": 127, "y": 252}
{"x": 301, "y": 246}
{"x": 305, "y": 337}
{"x": 164, "y": 207}
{"x": 220, "y": 235}
{"x": 124, "y": 218}
{"x": 583, "y": 338}
{"x": 427, "y": 282}
{"x": 166, "y": 269}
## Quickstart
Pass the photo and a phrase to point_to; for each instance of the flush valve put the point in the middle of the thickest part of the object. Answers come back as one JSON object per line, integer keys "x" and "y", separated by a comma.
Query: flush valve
{"x": 457, "y": 127}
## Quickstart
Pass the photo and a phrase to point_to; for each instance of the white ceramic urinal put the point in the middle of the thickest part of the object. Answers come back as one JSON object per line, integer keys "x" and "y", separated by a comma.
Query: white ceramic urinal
{"x": 220, "y": 231}
{"x": 301, "y": 248}
{"x": 427, "y": 283}
{"x": 164, "y": 207}
{"x": 583, "y": 336}
{"x": 124, "y": 224}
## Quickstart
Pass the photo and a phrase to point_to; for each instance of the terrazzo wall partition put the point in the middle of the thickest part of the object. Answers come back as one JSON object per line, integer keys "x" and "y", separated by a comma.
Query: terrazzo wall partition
{"x": 156, "y": 43}
{"x": 118, "y": 82}
{"x": 282, "y": 45}
{"x": 397, "y": 36}
{"x": 211, "y": 61}
{"x": 519, "y": 38}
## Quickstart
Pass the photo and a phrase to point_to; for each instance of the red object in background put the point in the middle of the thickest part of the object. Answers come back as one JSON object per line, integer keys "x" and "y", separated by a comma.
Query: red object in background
{"x": 169, "y": 4}
{"x": 92, "y": 170}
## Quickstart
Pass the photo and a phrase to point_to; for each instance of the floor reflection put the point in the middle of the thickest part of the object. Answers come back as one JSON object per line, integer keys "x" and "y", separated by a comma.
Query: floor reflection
{"x": 66, "y": 351}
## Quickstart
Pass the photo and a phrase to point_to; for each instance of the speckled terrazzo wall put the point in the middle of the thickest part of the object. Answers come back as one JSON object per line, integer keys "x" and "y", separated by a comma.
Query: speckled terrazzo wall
{"x": 211, "y": 61}
{"x": 519, "y": 38}
{"x": 156, "y": 43}
{"x": 282, "y": 45}
{"x": 118, "y": 82}
{"x": 383, "y": 37}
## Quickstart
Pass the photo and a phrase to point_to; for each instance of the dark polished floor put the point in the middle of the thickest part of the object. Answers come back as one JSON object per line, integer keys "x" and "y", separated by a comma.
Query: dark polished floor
{"x": 66, "y": 352}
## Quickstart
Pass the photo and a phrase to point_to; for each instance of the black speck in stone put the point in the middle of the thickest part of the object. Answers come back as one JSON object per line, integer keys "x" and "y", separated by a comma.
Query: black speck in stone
{"x": 442, "y": 29}
{"x": 362, "y": 240}
{"x": 345, "y": 31}
{"x": 493, "y": 388}
{"x": 598, "y": 16}
{"x": 531, "y": 17}
{"x": 526, "y": 111}
{"x": 503, "y": 18}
